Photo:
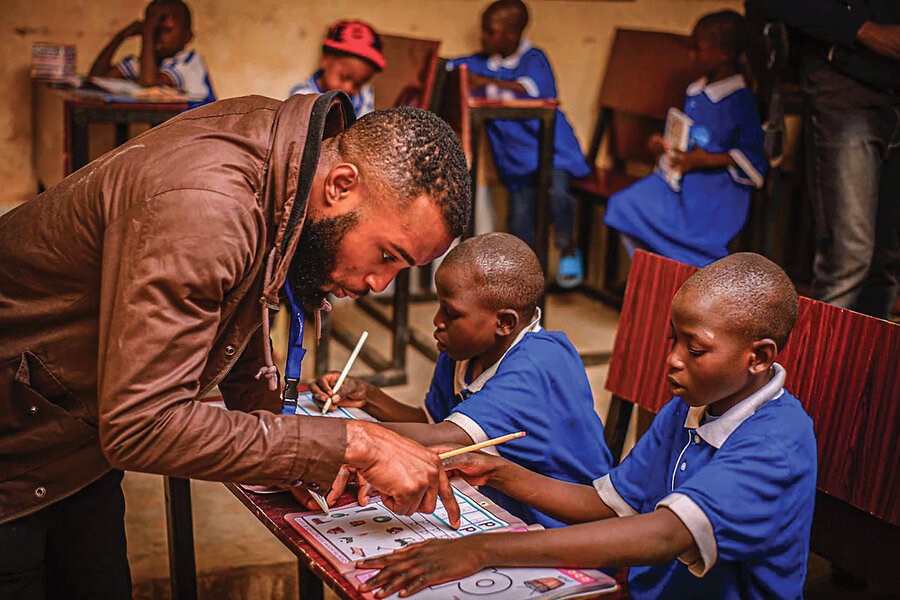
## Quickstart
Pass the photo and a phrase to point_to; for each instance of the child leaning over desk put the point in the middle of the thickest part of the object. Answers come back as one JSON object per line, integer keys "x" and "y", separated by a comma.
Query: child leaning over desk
{"x": 717, "y": 496}
{"x": 695, "y": 224}
{"x": 351, "y": 56}
{"x": 498, "y": 372}
{"x": 509, "y": 67}
{"x": 164, "y": 59}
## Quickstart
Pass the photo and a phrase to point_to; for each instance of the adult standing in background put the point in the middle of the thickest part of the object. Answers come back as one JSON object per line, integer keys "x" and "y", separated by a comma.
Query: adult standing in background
{"x": 850, "y": 69}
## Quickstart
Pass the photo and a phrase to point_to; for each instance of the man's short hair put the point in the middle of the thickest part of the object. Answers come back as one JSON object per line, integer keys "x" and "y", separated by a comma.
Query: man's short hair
{"x": 407, "y": 152}
{"x": 755, "y": 293}
{"x": 513, "y": 12}
{"x": 505, "y": 270}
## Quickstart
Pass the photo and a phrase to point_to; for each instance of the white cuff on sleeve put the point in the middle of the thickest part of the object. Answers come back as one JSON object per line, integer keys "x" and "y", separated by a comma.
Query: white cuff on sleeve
{"x": 611, "y": 497}
{"x": 473, "y": 429}
{"x": 700, "y": 560}
{"x": 756, "y": 178}
{"x": 530, "y": 86}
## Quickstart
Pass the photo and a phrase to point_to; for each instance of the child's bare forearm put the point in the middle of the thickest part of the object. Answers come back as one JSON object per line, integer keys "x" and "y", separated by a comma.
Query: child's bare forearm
{"x": 653, "y": 538}
{"x": 385, "y": 408}
{"x": 103, "y": 63}
{"x": 429, "y": 434}
{"x": 564, "y": 501}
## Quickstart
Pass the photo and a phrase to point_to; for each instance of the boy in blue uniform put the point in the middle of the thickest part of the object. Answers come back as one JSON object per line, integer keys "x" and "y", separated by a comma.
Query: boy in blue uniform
{"x": 694, "y": 225}
{"x": 718, "y": 495}
{"x": 498, "y": 373}
{"x": 351, "y": 55}
{"x": 510, "y": 67}
{"x": 164, "y": 60}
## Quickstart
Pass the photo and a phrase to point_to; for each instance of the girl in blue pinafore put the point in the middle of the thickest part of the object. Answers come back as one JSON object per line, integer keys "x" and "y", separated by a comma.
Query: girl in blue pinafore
{"x": 724, "y": 162}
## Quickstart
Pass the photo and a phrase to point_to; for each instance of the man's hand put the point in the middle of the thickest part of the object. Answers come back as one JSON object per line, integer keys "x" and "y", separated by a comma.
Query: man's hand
{"x": 408, "y": 476}
{"x": 883, "y": 39}
{"x": 416, "y": 567}
{"x": 354, "y": 392}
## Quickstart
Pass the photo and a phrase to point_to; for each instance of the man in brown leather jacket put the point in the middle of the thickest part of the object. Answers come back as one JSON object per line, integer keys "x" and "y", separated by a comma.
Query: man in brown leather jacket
{"x": 145, "y": 279}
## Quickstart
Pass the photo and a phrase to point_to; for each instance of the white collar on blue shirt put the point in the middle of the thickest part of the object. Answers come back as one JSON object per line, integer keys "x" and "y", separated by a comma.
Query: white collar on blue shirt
{"x": 717, "y": 431}
{"x": 496, "y": 62}
{"x": 459, "y": 376}
{"x": 718, "y": 90}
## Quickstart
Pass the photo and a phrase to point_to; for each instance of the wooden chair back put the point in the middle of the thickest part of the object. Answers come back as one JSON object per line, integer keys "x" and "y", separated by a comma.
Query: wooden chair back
{"x": 844, "y": 368}
{"x": 453, "y": 105}
{"x": 408, "y": 78}
{"x": 647, "y": 72}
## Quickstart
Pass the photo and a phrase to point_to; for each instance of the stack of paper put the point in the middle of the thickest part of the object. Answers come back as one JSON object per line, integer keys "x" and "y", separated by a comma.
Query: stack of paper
{"x": 52, "y": 61}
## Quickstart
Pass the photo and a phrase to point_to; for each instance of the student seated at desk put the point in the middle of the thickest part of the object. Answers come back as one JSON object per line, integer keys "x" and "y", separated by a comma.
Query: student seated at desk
{"x": 164, "y": 59}
{"x": 498, "y": 372}
{"x": 509, "y": 67}
{"x": 724, "y": 162}
{"x": 351, "y": 55}
{"x": 714, "y": 501}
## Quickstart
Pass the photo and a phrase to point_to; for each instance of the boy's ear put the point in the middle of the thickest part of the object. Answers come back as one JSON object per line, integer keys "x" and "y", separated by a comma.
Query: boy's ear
{"x": 764, "y": 352}
{"x": 340, "y": 181}
{"x": 507, "y": 321}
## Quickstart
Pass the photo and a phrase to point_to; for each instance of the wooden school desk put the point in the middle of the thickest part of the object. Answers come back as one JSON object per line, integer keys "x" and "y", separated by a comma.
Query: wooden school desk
{"x": 62, "y": 119}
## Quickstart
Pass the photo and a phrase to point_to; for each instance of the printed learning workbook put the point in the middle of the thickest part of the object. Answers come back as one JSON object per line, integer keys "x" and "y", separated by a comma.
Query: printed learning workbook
{"x": 677, "y": 136}
{"x": 355, "y": 532}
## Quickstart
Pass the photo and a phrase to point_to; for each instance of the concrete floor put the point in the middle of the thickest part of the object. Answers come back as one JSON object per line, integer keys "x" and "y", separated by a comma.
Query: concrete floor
{"x": 238, "y": 558}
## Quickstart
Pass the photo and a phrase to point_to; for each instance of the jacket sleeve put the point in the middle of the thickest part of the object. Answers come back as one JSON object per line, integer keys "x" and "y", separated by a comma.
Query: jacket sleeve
{"x": 828, "y": 21}
{"x": 168, "y": 265}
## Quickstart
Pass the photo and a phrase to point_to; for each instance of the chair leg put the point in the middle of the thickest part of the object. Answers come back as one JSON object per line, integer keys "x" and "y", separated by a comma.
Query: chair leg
{"x": 617, "y": 420}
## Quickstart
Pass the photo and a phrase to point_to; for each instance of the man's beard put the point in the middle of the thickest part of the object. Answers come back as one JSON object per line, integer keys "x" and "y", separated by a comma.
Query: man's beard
{"x": 316, "y": 255}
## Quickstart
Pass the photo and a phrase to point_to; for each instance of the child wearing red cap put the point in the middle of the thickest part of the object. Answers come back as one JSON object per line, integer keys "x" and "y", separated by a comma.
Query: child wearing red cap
{"x": 351, "y": 55}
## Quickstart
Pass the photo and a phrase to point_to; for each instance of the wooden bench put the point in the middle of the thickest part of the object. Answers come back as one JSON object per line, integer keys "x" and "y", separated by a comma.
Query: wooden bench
{"x": 646, "y": 73}
{"x": 844, "y": 368}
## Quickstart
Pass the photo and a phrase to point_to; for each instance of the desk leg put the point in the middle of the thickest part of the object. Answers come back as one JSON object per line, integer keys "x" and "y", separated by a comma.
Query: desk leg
{"x": 79, "y": 151}
{"x": 474, "y": 138}
{"x": 310, "y": 585}
{"x": 182, "y": 569}
{"x": 400, "y": 324}
{"x": 545, "y": 175}
{"x": 322, "y": 348}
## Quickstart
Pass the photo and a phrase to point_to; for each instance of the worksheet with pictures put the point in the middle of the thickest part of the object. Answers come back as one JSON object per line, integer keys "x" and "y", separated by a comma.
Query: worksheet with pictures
{"x": 355, "y": 532}
{"x": 508, "y": 583}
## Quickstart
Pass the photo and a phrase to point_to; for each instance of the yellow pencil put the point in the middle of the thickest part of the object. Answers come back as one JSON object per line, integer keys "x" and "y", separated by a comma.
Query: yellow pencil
{"x": 480, "y": 445}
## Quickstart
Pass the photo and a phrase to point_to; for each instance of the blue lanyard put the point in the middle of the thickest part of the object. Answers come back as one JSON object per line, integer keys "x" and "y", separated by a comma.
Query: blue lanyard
{"x": 295, "y": 355}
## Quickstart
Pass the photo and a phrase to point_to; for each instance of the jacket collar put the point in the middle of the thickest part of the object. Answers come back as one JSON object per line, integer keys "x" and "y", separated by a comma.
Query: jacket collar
{"x": 459, "y": 377}
{"x": 718, "y": 90}
{"x": 496, "y": 62}
{"x": 716, "y": 432}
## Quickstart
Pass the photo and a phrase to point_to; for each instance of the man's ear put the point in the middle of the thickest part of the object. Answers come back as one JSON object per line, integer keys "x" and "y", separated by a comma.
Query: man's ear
{"x": 763, "y": 355}
{"x": 507, "y": 321}
{"x": 340, "y": 181}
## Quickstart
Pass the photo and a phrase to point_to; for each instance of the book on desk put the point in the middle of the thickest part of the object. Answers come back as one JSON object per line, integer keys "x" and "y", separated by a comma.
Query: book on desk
{"x": 353, "y": 532}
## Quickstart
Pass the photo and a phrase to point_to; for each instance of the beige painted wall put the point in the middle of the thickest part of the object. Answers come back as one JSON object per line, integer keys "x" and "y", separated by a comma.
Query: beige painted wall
{"x": 265, "y": 46}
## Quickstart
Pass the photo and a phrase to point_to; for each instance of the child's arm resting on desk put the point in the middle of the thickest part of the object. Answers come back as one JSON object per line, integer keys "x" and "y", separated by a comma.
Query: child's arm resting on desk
{"x": 653, "y": 538}
{"x": 103, "y": 65}
{"x": 358, "y": 393}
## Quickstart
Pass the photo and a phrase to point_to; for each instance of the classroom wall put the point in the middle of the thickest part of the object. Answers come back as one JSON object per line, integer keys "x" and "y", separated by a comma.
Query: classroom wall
{"x": 265, "y": 46}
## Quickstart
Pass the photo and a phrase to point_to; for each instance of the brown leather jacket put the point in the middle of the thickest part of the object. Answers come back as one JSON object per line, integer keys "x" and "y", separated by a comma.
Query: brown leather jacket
{"x": 137, "y": 284}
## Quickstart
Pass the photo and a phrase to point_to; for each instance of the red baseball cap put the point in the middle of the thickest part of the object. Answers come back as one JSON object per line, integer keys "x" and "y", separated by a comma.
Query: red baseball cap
{"x": 356, "y": 38}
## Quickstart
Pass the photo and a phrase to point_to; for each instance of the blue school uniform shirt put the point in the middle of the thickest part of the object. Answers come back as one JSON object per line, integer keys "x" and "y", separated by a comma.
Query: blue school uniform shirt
{"x": 363, "y": 101}
{"x": 540, "y": 387}
{"x": 187, "y": 70}
{"x": 744, "y": 484}
{"x": 696, "y": 224}
{"x": 515, "y": 143}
